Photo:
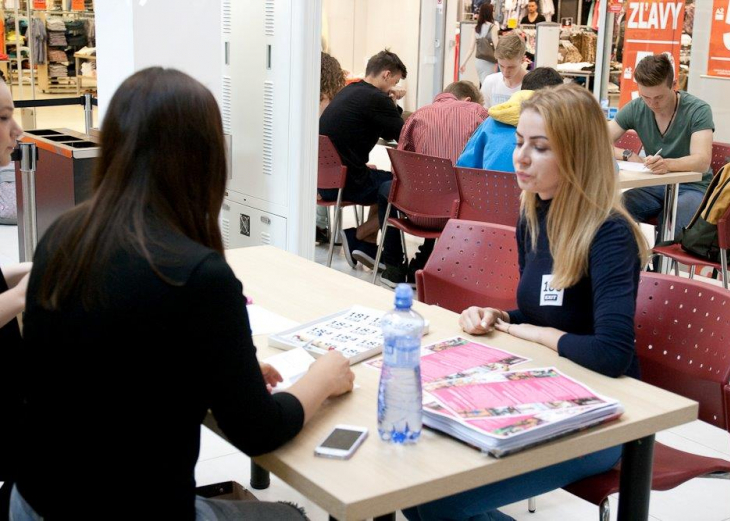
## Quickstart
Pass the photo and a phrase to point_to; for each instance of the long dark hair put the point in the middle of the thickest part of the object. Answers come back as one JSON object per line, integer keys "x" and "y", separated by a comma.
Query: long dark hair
{"x": 162, "y": 160}
{"x": 486, "y": 14}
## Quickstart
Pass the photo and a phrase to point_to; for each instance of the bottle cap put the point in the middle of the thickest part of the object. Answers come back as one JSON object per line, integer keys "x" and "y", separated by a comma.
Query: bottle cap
{"x": 403, "y": 296}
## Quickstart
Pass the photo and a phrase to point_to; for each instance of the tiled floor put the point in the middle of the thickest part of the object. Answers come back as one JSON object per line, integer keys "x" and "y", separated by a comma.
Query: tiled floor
{"x": 700, "y": 499}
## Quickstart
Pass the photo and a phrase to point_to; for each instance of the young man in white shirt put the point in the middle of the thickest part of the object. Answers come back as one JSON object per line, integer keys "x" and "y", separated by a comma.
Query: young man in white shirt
{"x": 499, "y": 87}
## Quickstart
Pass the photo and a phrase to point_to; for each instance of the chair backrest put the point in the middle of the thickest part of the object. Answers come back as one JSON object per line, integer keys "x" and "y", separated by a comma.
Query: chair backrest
{"x": 488, "y": 196}
{"x": 423, "y": 186}
{"x": 630, "y": 141}
{"x": 720, "y": 156}
{"x": 683, "y": 341}
{"x": 331, "y": 173}
{"x": 472, "y": 264}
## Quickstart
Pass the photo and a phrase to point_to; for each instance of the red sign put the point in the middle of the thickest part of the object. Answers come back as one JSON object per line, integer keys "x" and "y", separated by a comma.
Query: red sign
{"x": 78, "y": 5}
{"x": 615, "y": 6}
{"x": 718, "y": 61}
{"x": 652, "y": 27}
{"x": 39, "y": 4}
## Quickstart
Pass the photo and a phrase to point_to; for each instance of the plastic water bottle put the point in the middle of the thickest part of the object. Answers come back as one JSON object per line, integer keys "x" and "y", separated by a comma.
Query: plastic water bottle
{"x": 399, "y": 393}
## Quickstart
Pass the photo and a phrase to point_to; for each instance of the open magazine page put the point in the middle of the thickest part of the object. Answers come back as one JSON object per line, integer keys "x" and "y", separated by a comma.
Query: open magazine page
{"x": 513, "y": 393}
{"x": 503, "y": 405}
{"x": 460, "y": 357}
{"x": 457, "y": 357}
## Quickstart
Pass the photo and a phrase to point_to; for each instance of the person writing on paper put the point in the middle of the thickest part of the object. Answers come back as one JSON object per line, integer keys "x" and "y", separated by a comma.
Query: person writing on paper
{"x": 485, "y": 28}
{"x": 136, "y": 327}
{"x": 580, "y": 255}
{"x": 676, "y": 131}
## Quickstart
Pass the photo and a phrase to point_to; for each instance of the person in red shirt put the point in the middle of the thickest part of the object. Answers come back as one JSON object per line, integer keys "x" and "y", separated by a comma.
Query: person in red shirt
{"x": 440, "y": 129}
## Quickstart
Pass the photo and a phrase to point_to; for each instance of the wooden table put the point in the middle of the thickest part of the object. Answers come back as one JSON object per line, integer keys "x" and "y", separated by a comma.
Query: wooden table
{"x": 671, "y": 180}
{"x": 382, "y": 478}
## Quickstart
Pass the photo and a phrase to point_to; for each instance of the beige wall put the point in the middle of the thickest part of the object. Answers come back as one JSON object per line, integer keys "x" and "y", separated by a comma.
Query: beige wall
{"x": 357, "y": 29}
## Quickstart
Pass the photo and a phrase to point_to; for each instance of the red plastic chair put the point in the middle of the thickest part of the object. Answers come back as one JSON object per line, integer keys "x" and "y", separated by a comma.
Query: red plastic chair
{"x": 473, "y": 264}
{"x": 720, "y": 156}
{"x": 683, "y": 344}
{"x": 630, "y": 141}
{"x": 488, "y": 196}
{"x": 331, "y": 174}
{"x": 424, "y": 189}
{"x": 678, "y": 255}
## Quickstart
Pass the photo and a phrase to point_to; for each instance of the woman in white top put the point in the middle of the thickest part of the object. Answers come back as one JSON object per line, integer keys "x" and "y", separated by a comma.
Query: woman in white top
{"x": 485, "y": 27}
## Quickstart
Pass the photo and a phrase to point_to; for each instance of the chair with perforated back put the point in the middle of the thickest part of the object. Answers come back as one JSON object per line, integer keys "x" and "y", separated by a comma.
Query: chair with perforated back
{"x": 425, "y": 193}
{"x": 630, "y": 141}
{"x": 473, "y": 264}
{"x": 331, "y": 174}
{"x": 720, "y": 156}
{"x": 488, "y": 196}
{"x": 683, "y": 344}
{"x": 679, "y": 256}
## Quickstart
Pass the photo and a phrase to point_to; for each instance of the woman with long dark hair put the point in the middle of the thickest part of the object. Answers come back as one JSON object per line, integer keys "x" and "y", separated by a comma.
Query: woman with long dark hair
{"x": 136, "y": 327}
{"x": 485, "y": 28}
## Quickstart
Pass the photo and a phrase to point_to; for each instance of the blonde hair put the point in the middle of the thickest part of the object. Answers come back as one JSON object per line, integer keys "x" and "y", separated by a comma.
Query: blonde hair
{"x": 510, "y": 47}
{"x": 587, "y": 193}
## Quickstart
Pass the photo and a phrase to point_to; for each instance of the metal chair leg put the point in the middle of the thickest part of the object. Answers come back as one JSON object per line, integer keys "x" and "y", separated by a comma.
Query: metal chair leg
{"x": 358, "y": 222}
{"x": 531, "y": 505}
{"x": 723, "y": 264}
{"x": 604, "y": 511}
{"x": 380, "y": 244}
{"x": 692, "y": 270}
{"x": 675, "y": 265}
{"x": 403, "y": 245}
{"x": 334, "y": 230}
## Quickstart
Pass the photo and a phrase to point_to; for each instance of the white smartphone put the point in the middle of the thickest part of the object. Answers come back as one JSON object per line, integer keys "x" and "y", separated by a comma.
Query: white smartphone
{"x": 342, "y": 442}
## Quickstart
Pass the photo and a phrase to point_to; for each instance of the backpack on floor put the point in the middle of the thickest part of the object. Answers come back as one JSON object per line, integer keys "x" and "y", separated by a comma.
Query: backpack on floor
{"x": 699, "y": 237}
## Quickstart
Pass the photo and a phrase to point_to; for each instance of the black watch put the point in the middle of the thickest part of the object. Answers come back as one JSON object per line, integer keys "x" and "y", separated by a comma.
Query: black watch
{"x": 626, "y": 154}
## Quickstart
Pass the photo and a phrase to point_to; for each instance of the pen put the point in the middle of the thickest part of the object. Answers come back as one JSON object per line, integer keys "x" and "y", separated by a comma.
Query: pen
{"x": 658, "y": 152}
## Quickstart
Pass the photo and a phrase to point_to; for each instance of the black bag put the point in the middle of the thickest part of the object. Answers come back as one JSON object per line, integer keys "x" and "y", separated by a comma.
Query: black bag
{"x": 485, "y": 47}
{"x": 699, "y": 237}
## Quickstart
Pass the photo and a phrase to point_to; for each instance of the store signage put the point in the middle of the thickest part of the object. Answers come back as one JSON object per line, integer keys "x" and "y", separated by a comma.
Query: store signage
{"x": 77, "y": 5}
{"x": 652, "y": 27}
{"x": 718, "y": 61}
{"x": 39, "y": 4}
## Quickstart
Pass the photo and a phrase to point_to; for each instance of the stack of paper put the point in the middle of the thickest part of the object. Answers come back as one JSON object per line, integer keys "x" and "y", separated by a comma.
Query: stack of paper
{"x": 473, "y": 392}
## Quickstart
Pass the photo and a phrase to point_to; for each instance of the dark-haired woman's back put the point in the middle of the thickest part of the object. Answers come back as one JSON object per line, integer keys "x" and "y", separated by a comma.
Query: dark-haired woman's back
{"x": 119, "y": 392}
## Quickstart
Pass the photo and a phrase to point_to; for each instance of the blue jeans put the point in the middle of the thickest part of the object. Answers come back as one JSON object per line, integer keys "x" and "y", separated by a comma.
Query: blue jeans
{"x": 646, "y": 203}
{"x": 480, "y": 504}
{"x": 20, "y": 510}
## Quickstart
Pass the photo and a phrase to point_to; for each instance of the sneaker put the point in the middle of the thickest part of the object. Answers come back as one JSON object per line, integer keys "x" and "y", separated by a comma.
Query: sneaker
{"x": 349, "y": 241}
{"x": 394, "y": 275}
{"x": 366, "y": 254}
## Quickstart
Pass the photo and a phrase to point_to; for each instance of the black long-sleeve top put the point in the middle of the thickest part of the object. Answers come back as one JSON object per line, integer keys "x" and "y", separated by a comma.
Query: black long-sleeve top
{"x": 116, "y": 395}
{"x": 11, "y": 398}
{"x": 597, "y": 313}
{"x": 356, "y": 118}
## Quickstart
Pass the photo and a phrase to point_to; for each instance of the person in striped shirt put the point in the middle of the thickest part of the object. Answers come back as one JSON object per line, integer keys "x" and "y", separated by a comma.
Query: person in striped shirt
{"x": 440, "y": 129}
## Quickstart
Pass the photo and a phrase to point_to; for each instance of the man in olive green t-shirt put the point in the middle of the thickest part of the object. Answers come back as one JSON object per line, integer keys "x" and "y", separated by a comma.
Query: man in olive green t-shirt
{"x": 676, "y": 131}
